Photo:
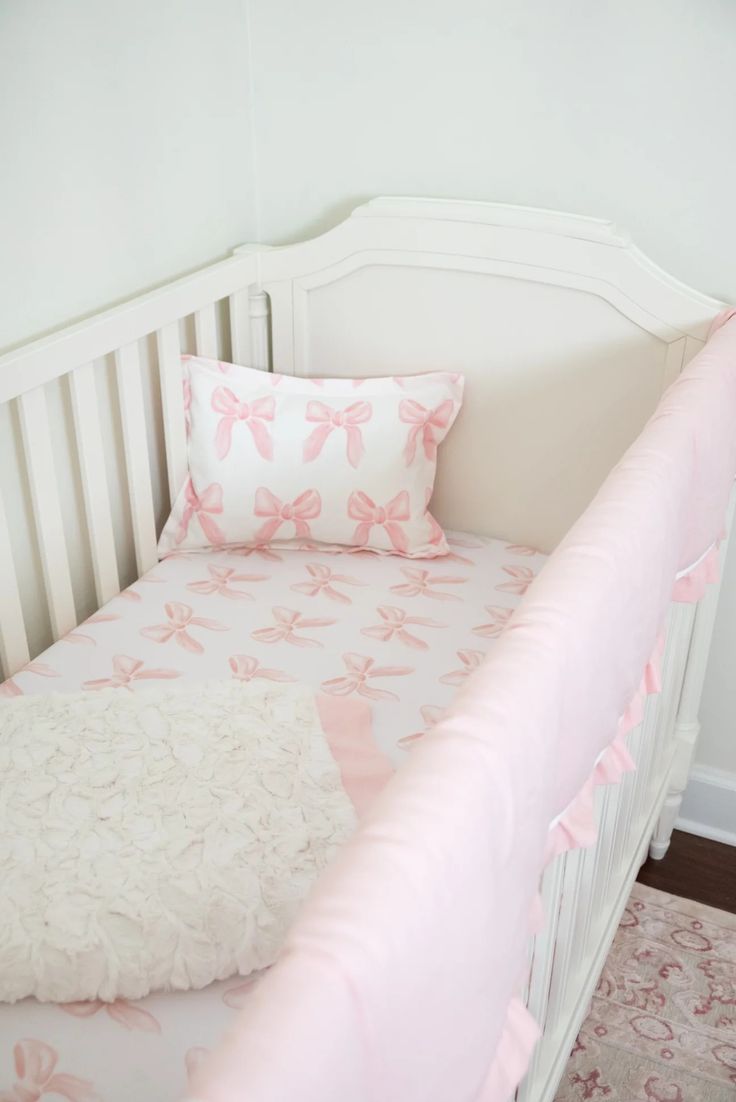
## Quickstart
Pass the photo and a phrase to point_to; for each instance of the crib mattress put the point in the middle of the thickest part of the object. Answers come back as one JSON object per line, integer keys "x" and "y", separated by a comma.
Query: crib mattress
{"x": 400, "y": 635}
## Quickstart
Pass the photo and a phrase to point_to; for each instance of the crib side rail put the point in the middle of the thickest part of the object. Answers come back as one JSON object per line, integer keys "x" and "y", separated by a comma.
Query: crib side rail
{"x": 584, "y": 892}
{"x": 64, "y": 550}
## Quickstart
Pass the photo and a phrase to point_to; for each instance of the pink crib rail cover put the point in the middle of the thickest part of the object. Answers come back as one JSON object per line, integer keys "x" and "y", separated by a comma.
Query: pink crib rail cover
{"x": 399, "y": 978}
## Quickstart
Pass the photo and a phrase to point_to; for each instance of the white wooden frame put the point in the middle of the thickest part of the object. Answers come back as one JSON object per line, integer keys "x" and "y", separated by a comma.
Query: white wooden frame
{"x": 270, "y": 306}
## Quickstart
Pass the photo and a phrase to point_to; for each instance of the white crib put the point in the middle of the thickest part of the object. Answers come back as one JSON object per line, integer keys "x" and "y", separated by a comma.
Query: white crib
{"x": 566, "y": 334}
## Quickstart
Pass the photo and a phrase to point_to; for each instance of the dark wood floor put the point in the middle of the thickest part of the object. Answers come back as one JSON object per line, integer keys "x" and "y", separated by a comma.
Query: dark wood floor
{"x": 696, "y": 869}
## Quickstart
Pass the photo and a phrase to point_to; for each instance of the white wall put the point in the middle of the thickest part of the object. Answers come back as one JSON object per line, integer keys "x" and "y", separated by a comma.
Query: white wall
{"x": 623, "y": 110}
{"x": 124, "y": 137}
{"x": 126, "y": 146}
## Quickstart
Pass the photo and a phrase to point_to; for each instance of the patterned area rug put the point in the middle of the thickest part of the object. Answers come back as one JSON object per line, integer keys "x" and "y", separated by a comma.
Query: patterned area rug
{"x": 662, "y": 1024}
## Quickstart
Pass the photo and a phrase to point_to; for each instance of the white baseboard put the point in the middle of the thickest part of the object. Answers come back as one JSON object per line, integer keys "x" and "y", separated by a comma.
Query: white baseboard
{"x": 709, "y": 806}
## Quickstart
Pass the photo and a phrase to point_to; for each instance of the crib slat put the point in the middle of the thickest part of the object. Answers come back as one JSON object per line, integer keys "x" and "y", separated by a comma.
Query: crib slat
{"x": 541, "y": 972}
{"x": 132, "y": 413}
{"x": 172, "y": 403}
{"x": 94, "y": 481}
{"x": 259, "y": 312}
{"x": 240, "y": 344}
{"x": 566, "y": 957}
{"x": 13, "y": 641}
{"x": 41, "y": 467}
{"x": 205, "y": 331}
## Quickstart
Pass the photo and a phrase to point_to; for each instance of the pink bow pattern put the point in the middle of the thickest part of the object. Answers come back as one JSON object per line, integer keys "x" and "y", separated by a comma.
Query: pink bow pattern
{"x": 395, "y": 624}
{"x": 253, "y": 414}
{"x": 79, "y": 637}
{"x": 426, "y": 425}
{"x": 262, "y": 553}
{"x": 125, "y": 671}
{"x": 222, "y": 581}
{"x": 10, "y": 688}
{"x": 35, "y": 1062}
{"x": 436, "y": 531}
{"x": 287, "y": 621}
{"x": 390, "y": 517}
{"x": 245, "y": 668}
{"x": 421, "y": 584}
{"x": 323, "y": 583}
{"x": 521, "y": 578}
{"x": 121, "y": 1011}
{"x": 303, "y": 508}
{"x": 181, "y": 617}
{"x": 499, "y": 619}
{"x": 194, "y": 1058}
{"x": 470, "y": 659}
{"x": 431, "y": 715}
{"x": 360, "y": 669}
{"x": 202, "y": 507}
{"x": 328, "y": 420}
{"x": 186, "y": 388}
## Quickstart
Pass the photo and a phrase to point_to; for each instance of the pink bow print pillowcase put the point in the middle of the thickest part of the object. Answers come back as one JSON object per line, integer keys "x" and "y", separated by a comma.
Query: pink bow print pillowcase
{"x": 283, "y": 461}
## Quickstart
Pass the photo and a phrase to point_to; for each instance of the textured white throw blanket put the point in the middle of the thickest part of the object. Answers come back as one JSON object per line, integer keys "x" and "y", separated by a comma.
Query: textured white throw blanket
{"x": 160, "y": 839}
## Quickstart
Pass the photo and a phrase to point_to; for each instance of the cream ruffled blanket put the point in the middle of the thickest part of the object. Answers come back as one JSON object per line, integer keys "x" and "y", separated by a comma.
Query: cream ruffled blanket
{"x": 160, "y": 839}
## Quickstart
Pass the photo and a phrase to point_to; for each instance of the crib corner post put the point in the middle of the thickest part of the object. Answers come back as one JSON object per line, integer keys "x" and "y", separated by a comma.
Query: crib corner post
{"x": 686, "y": 740}
{"x": 250, "y": 316}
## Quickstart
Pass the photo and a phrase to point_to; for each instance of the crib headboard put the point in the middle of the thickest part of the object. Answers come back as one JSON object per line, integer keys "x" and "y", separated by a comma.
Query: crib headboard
{"x": 565, "y": 332}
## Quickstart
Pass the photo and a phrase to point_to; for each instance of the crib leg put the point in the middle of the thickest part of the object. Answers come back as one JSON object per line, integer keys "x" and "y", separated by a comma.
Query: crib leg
{"x": 660, "y": 842}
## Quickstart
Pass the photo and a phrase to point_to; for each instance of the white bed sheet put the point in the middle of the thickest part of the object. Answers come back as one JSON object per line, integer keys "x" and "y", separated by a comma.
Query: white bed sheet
{"x": 401, "y": 635}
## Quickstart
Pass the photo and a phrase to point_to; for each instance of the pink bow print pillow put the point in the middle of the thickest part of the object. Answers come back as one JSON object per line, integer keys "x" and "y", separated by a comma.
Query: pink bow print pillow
{"x": 283, "y": 461}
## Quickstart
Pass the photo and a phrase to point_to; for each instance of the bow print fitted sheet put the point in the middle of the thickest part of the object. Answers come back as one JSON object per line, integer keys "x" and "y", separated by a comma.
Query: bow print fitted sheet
{"x": 400, "y": 635}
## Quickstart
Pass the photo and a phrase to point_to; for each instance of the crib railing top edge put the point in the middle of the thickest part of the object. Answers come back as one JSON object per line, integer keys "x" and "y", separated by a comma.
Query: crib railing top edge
{"x": 38, "y": 362}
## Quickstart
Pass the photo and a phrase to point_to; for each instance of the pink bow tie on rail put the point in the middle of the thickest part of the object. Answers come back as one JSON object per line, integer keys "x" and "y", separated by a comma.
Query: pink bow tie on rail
{"x": 253, "y": 414}
{"x": 330, "y": 419}
{"x": 423, "y": 423}
{"x": 303, "y": 508}
{"x": 34, "y": 1066}
{"x": 389, "y": 517}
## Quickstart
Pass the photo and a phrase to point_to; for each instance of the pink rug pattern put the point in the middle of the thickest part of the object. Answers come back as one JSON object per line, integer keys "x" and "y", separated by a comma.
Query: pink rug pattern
{"x": 662, "y": 1023}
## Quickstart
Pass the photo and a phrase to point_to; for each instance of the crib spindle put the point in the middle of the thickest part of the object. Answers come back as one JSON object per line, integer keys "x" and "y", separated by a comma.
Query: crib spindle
{"x": 541, "y": 973}
{"x": 205, "y": 331}
{"x": 13, "y": 641}
{"x": 172, "y": 403}
{"x": 259, "y": 313}
{"x": 132, "y": 413}
{"x": 566, "y": 954}
{"x": 41, "y": 467}
{"x": 94, "y": 481}
{"x": 240, "y": 345}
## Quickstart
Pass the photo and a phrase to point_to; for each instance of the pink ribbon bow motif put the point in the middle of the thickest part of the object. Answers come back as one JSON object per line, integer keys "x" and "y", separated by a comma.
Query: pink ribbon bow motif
{"x": 201, "y": 506}
{"x": 303, "y": 508}
{"x": 253, "y": 414}
{"x": 34, "y": 1065}
{"x": 389, "y": 517}
{"x": 423, "y": 423}
{"x": 328, "y": 420}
